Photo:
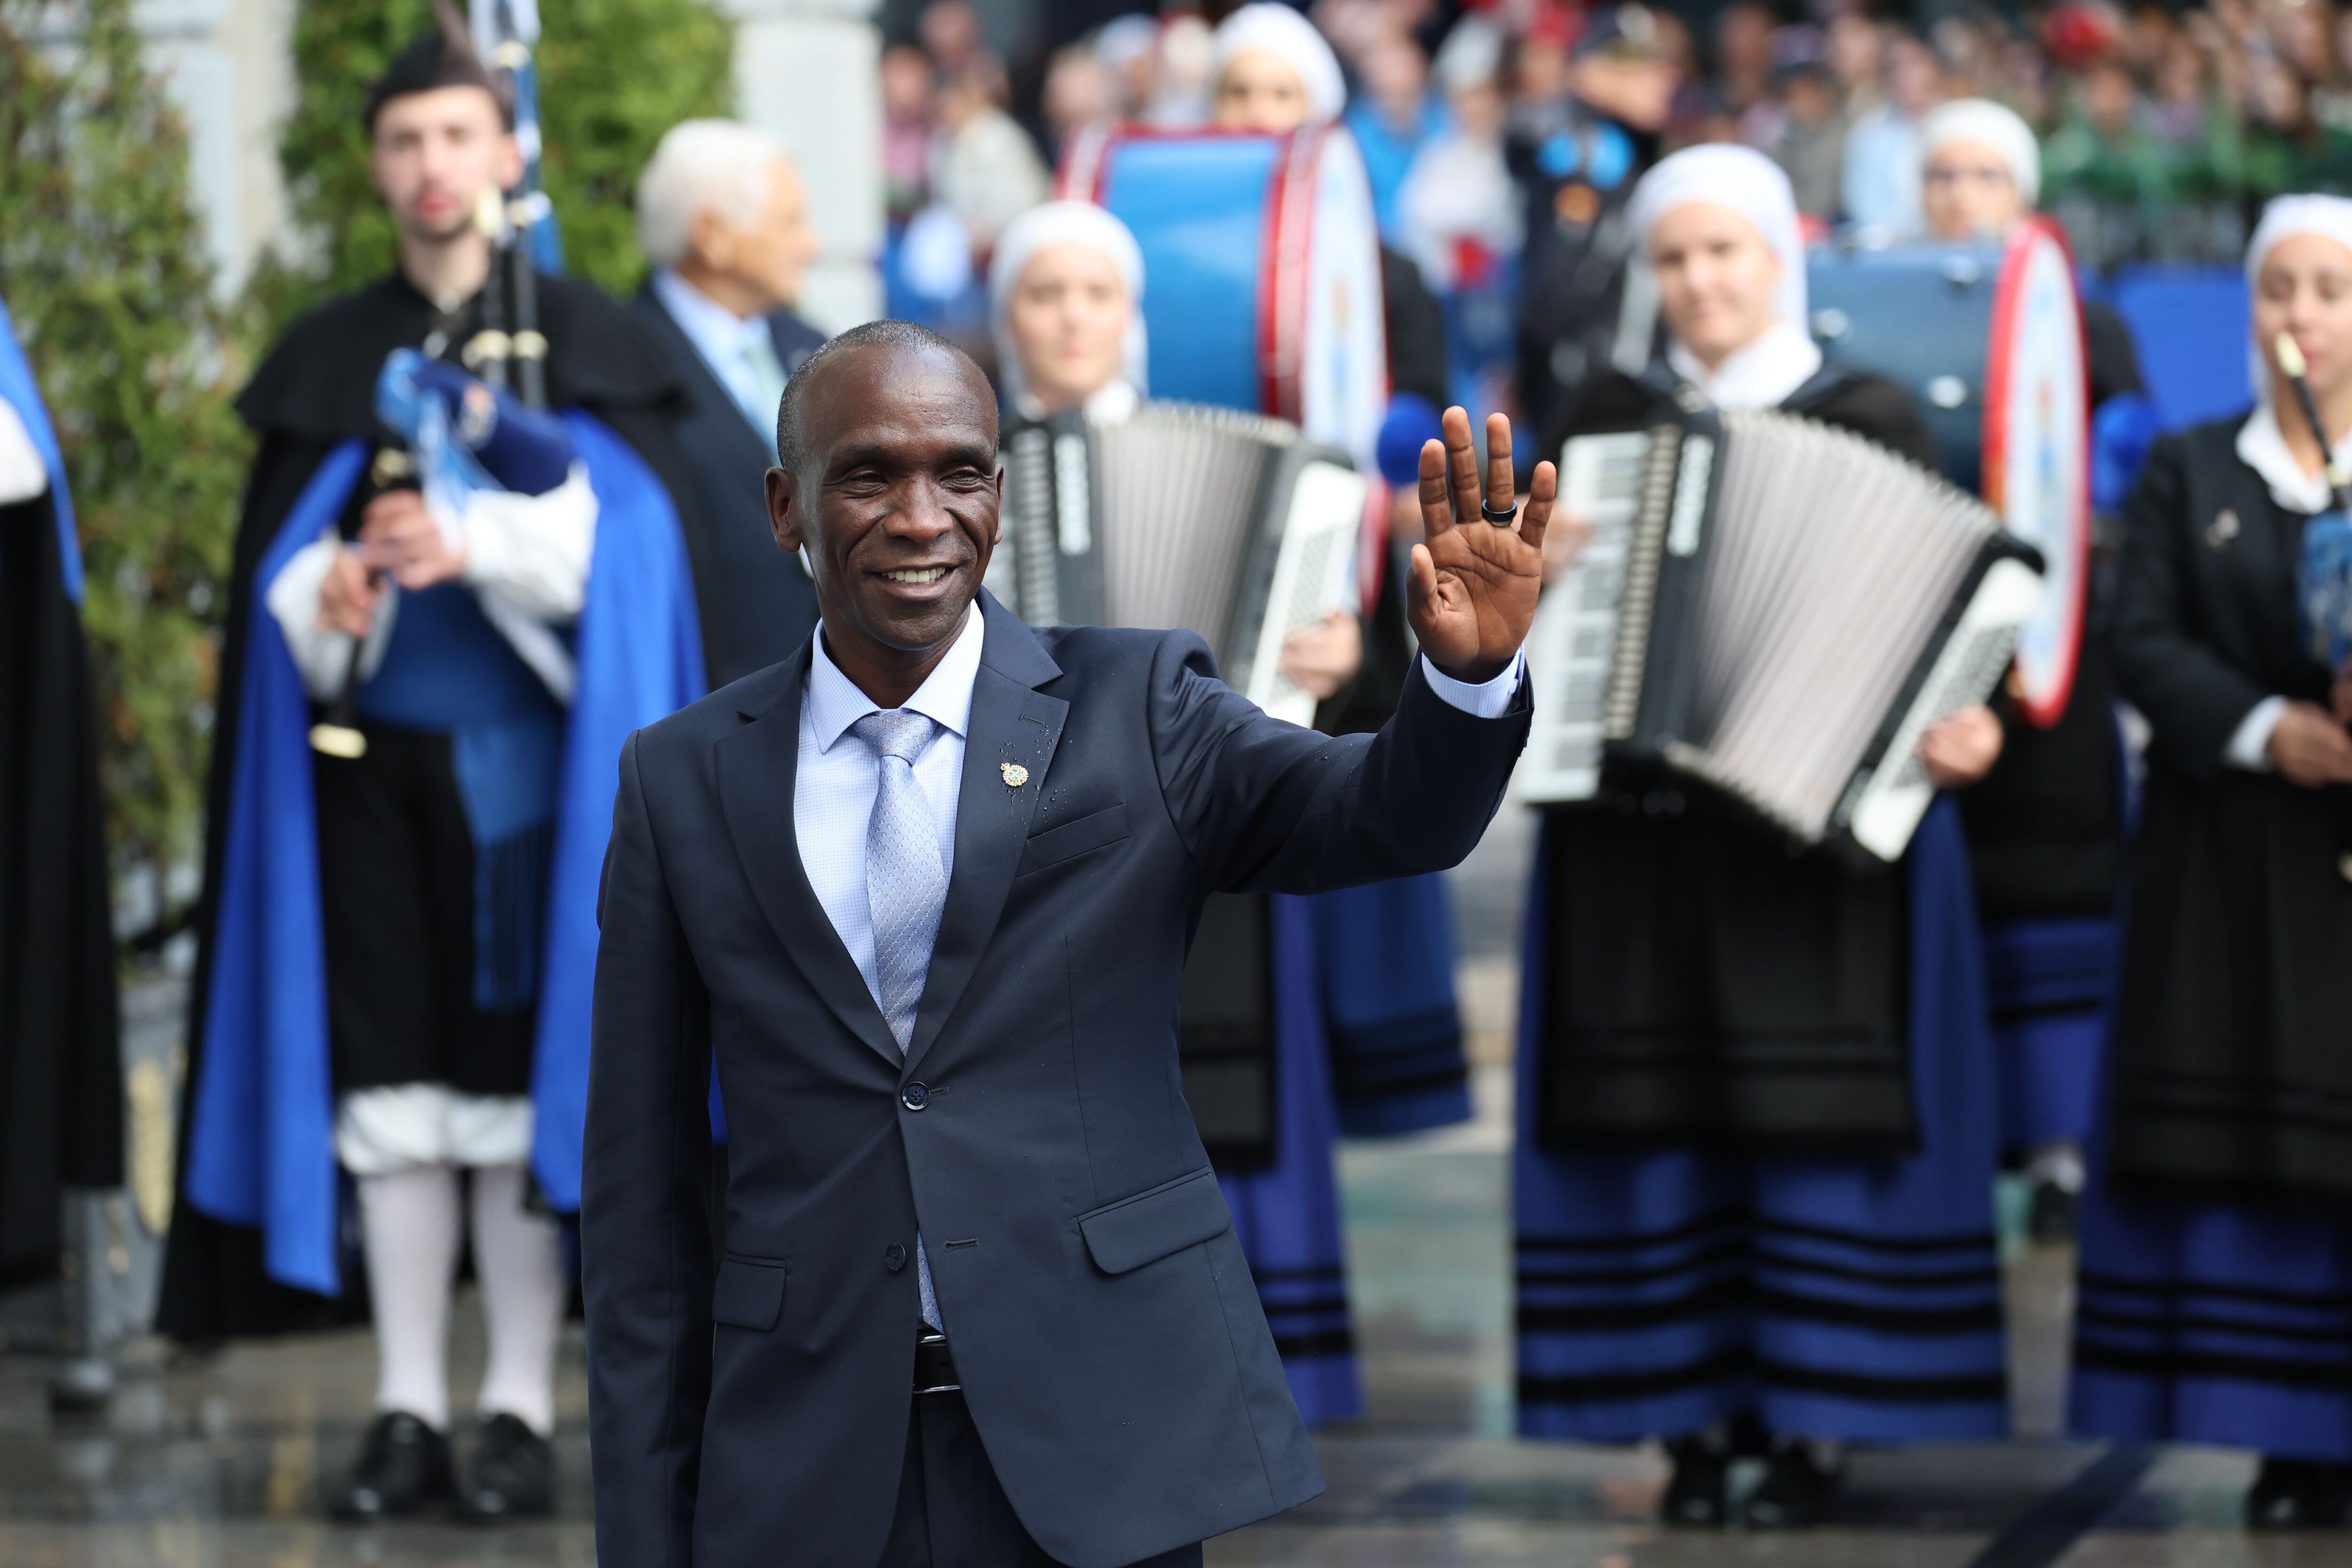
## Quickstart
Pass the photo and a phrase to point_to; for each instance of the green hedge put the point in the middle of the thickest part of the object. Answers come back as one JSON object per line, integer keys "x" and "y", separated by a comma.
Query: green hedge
{"x": 613, "y": 75}
{"x": 103, "y": 264}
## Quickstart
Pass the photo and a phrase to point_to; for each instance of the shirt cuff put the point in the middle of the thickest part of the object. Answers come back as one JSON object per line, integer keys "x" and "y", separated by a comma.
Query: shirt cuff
{"x": 1487, "y": 700}
{"x": 2250, "y": 743}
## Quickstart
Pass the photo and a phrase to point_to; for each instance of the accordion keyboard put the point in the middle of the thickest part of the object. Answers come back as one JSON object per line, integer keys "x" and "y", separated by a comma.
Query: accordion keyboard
{"x": 1575, "y": 633}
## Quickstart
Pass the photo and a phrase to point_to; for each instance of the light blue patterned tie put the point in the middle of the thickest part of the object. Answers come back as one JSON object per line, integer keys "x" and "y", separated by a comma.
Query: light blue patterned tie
{"x": 906, "y": 888}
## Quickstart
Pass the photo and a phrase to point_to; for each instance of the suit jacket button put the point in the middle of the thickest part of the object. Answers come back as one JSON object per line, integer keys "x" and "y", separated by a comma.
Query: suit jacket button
{"x": 893, "y": 1258}
{"x": 914, "y": 1097}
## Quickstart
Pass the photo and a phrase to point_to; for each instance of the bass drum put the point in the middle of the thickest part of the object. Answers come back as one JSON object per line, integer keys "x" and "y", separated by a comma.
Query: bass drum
{"x": 1989, "y": 341}
{"x": 1262, "y": 263}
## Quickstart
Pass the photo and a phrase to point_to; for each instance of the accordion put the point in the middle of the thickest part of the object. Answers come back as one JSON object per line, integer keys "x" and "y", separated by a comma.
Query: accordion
{"x": 1228, "y": 524}
{"x": 1775, "y": 608}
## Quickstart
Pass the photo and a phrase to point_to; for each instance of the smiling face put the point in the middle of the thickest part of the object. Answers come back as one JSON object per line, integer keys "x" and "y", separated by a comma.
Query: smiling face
{"x": 1715, "y": 279}
{"x": 1068, "y": 316}
{"x": 2305, "y": 287}
{"x": 896, "y": 496}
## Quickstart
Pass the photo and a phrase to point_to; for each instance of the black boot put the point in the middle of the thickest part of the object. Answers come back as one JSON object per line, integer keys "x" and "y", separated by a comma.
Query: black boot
{"x": 1695, "y": 1497}
{"x": 403, "y": 1464}
{"x": 1796, "y": 1492}
{"x": 2299, "y": 1494}
{"x": 510, "y": 1475}
{"x": 2050, "y": 1218}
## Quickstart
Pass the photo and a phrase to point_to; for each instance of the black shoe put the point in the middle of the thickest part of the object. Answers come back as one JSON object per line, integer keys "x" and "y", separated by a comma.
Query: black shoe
{"x": 403, "y": 1464}
{"x": 2299, "y": 1494}
{"x": 1695, "y": 1496}
{"x": 1795, "y": 1493}
{"x": 2050, "y": 1215}
{"x": 510, "y": 1475}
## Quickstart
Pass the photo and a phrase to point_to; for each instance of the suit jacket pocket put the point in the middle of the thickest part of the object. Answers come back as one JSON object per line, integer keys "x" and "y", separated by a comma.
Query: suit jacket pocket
{"x": 749, "y": 1294}
{"x": 1058, "y": 844}
{"x": 1156, "y": 1222}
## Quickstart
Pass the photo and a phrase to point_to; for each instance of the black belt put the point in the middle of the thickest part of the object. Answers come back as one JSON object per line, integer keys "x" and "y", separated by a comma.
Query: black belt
{"x": 935, "y": 1370}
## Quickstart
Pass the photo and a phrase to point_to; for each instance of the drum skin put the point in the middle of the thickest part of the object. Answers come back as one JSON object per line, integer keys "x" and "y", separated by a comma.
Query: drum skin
{"x": 1261, "y": 257}
{"x": 1989, "y": 341}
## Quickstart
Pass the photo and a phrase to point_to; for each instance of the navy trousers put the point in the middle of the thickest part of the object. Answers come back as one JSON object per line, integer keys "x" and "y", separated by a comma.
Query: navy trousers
{"x": 952, "y": 1512}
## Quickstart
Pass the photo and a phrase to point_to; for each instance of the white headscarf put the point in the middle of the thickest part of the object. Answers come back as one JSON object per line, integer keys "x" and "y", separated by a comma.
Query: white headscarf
{"x": 2261, "y": 445}
{"x": 1984, "y": 124}
{"x": 1065, "y": 222}
{"x": 1283, "y": 33}
{"x": 1745, "y": 181}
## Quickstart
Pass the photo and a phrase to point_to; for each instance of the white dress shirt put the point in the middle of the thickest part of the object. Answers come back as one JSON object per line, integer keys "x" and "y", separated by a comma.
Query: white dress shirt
{"x": 724, "y": 340}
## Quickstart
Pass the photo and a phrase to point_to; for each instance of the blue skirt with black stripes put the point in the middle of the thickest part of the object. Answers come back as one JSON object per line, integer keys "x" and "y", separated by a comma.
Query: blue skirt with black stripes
{"x": 2214, "y": 1323}
{"x": 1662, "y": 1290}
{"x": 1287, "y": 1216}
{"x": 2053, "y": 987}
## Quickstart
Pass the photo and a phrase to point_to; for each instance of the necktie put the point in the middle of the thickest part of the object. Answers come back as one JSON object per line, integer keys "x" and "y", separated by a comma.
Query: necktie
{"x": 906, "y": 888}
{"x": 767, "y": 378}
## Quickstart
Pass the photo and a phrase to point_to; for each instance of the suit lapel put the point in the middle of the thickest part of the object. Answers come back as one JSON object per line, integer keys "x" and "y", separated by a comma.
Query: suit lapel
{"x": 1012, "y": 734}
{"x": 711, "y": 398}
{"x": 759, "y": 768}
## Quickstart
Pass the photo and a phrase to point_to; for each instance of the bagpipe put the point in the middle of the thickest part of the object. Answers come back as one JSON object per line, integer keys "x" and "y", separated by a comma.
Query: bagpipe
{"x": 463, "y": 436}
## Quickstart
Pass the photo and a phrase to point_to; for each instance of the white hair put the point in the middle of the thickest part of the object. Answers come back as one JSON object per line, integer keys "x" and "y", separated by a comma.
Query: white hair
{"x": 702, "y": 166}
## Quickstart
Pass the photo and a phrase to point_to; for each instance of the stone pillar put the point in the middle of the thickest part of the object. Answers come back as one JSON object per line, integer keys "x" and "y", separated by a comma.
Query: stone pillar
{"x": 228, "y": 65}
{"x": 808, "y": 71}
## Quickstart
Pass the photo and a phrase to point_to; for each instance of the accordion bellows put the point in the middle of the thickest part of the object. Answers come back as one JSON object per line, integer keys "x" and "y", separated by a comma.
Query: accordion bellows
{"x": 1224, "y": 524}
{"x": 1775, "y": 608}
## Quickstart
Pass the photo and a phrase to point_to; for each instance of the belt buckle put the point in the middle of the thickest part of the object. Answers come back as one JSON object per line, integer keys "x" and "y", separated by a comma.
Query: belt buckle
{"x": 934, "y": 1366}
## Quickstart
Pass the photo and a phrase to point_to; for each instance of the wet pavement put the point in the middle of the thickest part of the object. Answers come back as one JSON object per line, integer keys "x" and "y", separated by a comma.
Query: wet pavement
{"x": 217, "y": 1461}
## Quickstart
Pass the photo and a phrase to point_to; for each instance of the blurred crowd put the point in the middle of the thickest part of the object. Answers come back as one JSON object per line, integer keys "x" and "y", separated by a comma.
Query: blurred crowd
{"x": 2161, "y": 131}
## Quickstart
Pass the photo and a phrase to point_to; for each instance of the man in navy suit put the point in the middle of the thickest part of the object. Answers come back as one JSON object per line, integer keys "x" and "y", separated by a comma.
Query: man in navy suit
{"x": 923, "y": 893}
{"x": 723, "y": 218}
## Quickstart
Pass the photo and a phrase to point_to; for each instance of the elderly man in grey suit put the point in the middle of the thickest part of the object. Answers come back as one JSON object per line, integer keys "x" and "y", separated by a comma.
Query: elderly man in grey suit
{"x": 723, "y": 217}
{"x": 922, "y": 892}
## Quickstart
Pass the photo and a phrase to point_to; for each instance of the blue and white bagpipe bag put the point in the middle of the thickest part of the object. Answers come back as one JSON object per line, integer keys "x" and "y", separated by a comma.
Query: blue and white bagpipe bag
{"x": 2323, "y": 590}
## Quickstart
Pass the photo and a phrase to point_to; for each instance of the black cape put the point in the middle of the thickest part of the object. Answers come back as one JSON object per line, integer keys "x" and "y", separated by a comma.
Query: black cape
{"x": 2231, "y": 1067}
{"x": 60, "y": 1055}
{"x": 1707, "y": 985}
{"x": 315, "y": 390}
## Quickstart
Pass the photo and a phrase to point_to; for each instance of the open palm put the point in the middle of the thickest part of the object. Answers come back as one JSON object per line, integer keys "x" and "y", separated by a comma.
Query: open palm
{"x": 1472, "y": 594}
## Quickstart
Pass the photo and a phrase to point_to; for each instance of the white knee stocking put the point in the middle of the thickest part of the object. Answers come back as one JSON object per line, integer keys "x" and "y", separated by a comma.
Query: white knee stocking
{"x": 517, "y": 1259}
{"x": 409, "y": 1220}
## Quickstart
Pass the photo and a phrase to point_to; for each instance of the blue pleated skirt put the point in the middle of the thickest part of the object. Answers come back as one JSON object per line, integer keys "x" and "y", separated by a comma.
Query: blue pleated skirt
{"x": 2214, "y": 1323}
{"x": 1287, "y": 1215}
{"x": 1660, "y": 1290}
{"x": 2051, "y": 983}
{"x": 1385, "y": 954}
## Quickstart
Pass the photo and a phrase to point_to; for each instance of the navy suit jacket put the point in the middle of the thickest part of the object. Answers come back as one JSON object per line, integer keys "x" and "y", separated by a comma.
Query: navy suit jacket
{"x": 756, "y": 604}
{"x": 1107, "y": 1331}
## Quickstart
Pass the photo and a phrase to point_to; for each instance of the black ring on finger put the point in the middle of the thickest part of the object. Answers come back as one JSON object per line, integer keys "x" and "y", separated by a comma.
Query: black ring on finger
{"x": 1502, "y": 519}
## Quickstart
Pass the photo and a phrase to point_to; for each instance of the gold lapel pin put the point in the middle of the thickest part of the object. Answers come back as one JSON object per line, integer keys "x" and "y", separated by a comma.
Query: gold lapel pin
{"x": 1016, "y": 776}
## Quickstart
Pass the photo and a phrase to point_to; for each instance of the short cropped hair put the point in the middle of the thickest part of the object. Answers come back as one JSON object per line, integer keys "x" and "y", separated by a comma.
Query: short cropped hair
{"x": 702, "y": 166}
{"x": 790, "y": 448}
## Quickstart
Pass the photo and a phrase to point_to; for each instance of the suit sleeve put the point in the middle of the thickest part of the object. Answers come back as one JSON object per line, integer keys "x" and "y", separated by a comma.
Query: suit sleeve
{"x": 2194, "y": 700}
{"x": 644, "y": 1237}
{"x": 1266, "y": 806}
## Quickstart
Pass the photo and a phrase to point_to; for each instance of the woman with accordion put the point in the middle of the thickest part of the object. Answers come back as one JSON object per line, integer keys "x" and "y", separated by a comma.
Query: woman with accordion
{"x": 2216, "y": 1302}
{"x": 1754, "y": 1170}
